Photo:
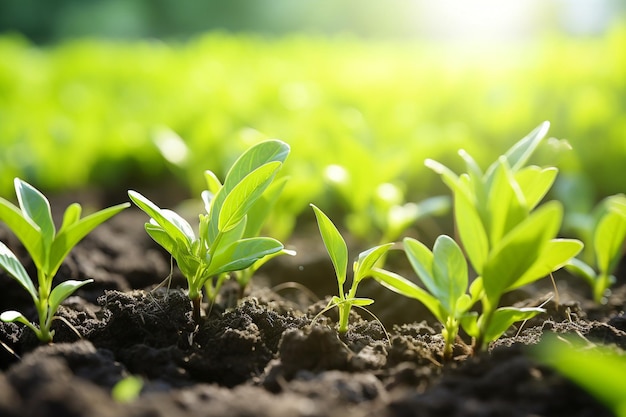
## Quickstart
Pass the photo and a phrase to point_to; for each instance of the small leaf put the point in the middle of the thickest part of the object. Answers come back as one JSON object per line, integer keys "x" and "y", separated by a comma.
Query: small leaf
{"x": 450, "y": 272}
{"x": 25, "y": 230}
{"x": 469, "y": 322}
{"x": 213, "y": 183}
{"x": 243, "y": 253}
{"x": 13, "y": 266}
{"x": 62, "y": 291}
{"x": 580, "y": 268}
{"x": 156, "y": 213}
{"x": 421, "y": 259}
{"x": 368, "y": 259}
{"x": 361, "y": 302}
{"x": 504, "y": 317}
{"x": 534, "y": 183}
{"x": 608, "y": 240}
{"x": 403, "y": 286}
{"x": 243, "y": 196}
{"x": 471, "y": 230}
{"x": 519, "y": 153}
{"x": 68, "y": 238}
{"x": 12, "y": 316}
{"x": 36, "y": 207}
{"x": 71, "y": 216}
{"x": 180, "y": 223}
{"x": 447, "y": 175}
{"x": 260, "y": 211}
{"x": 335, "y": 245}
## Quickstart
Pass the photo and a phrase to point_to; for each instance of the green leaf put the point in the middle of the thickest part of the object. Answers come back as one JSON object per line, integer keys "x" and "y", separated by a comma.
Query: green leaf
{"x": 504, "y": 317}
{"x": 255, "y": 157}
{"x": 519, "y": 153}
{"x": 62, "y": 291}
{"x": 243, "y": 196}
{"x": 505, "y": 205}
{"x": 450, "y": 272}
{"x": 180, "y": 223}
{"x": 160, "y": 236}
{"x": 243, "y": 253}
{"x": 25, "y": 230}
{"x": 519, "y": 249}
{"x": 403, "y": 286}
{"x": 422, "y": 259}
{"x": 162, "y": 219}
{"x": 335, "y": 245}
{"x": 13, "y": 266}
{"x": 12, "y": 316}
{"x": 71, "y": 216}
{"x": 555, "y": 254}
{"x": 471, "y": 230}
{"x": 361, "y": 302}
{"x": 469, "y": 322}
{"x": 447, "y": 175}
{"x": 71, "y": 235}
{"x": 534, "y": 183}
{"x": 476, "y": 176}
{"x": 261, "y": 209}
{"x": 580, "y": 268}
{"x": 608, "y": 239}
{"x": 213, "y": 183}
{"x": 36, "y": 207}
{"x": 368, "y": 259}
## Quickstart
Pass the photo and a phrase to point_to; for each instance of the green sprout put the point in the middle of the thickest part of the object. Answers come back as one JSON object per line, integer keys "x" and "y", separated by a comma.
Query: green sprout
{"x": 606, "y": 231}
{"x": 32, "y": 223}
{"x": 221, "y": 245}
{"x": 509, "y": 240}
{"x": 362, "y": 268}
{"x": 597, "y": 369}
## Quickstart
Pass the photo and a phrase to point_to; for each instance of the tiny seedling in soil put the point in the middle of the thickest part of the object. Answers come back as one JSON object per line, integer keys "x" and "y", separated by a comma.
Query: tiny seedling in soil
{"x": 33, "y": 225}
{"x": 509, "y": 241}
{"x": 221, "y": 245}
{"x": 607, "y": 234}
{"x": 362, "y": 268}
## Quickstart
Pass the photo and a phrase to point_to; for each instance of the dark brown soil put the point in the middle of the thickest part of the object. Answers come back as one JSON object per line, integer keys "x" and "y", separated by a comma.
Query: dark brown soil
{"x": 263, "y": 356}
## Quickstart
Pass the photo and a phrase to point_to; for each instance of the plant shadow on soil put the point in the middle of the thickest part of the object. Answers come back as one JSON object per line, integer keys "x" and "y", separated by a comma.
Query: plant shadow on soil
{"x": 263, "y": 356}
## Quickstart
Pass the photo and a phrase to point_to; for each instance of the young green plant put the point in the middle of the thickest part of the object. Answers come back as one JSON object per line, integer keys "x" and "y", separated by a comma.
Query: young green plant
{"x": 221, "y": 245}
{"x": 362, "y": 268}
{"x": 32, "y": 223}
{"x": 607, "y": 232}
{"x": 509, "y": 240}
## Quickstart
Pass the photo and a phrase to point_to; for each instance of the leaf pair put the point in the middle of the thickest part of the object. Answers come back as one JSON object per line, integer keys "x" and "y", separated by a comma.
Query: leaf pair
{"x": 33, "y": 225}
{"x": 235, "y": 211}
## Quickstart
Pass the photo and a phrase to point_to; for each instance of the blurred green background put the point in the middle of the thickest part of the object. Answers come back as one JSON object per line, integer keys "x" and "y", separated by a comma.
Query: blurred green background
{"x": 117, "y": 94}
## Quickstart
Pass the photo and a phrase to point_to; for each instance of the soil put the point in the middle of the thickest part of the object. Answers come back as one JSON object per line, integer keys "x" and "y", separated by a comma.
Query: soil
{"x": 263, "y": 355}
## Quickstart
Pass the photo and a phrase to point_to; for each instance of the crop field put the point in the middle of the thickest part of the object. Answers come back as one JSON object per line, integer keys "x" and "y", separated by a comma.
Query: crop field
{"x": 356, "y": 114}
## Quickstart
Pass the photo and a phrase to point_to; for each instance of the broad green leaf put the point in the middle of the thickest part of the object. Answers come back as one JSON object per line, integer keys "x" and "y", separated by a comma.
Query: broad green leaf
{"x": 36, "y": 207}
{"x": 534, "y": 182}
{"x": 476, "y": 176}
{"x": 401, "y": 285}
{"x": 261, "y": 209}
{"x": 255, "y": 157}
{"x": 504, "y": 317}
{"x": 505, "y": 205}
{"x": 156, "y": 213}
{"x": 160, "y": 236}
{"x": 471, "y": 230}
{"x": 25, "y": 230}
{"x": 581, "y": 269}
{"x": 68, "y": 238}
{"x": 335, "y": 245}
{"x": 368, "y": 259}
{"x": 476, "y": 289}
{"x": 243, "y": 196}
{"x": 71, "y": 216}
{"x": 422, "y": 259}
{"x": 469, "y": 322}
{"x": 180, "y": 223}
{"x": 519, "y": 153}
{"x": 13, "y": 266}
{"x": 554, "y": 255}
{"x": 62, "y": 291}
{"x": 243, "y": 253}
{"x": 449, "y": 272}
{"x": 519, "y": 249}
{"x": 608, "y": 240}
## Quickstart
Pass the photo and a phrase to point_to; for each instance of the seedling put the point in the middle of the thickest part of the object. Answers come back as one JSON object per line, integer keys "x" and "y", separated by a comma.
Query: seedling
{"x": 221, "y": 245}
{"x": 362, "y": 268}
{"x": 607, "y": 231}
{"x": 509, "y": 242}
{"x": 33, "y": 225}
{"x": 597, "y": 369}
